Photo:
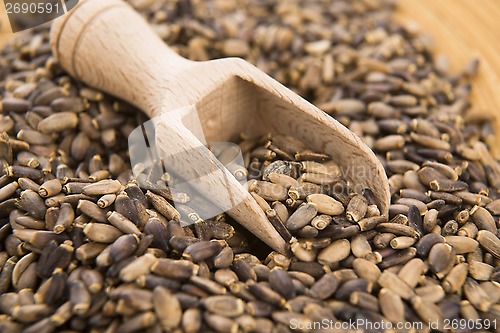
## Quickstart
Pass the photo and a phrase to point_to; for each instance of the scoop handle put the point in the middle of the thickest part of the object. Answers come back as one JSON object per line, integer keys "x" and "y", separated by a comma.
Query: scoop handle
{"x": 108, "y": 45}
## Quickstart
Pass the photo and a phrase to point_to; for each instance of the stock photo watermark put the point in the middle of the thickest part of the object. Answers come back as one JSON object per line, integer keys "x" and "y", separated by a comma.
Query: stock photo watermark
{"x": 25, "y": 14}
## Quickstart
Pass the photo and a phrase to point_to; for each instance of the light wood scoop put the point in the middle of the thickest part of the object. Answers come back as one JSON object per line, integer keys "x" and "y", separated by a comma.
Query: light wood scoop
{"x": 108, "y": 45}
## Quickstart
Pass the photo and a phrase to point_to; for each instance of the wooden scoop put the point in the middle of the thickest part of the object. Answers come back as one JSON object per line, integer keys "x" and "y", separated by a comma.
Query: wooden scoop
{"x": 108, "y": 45}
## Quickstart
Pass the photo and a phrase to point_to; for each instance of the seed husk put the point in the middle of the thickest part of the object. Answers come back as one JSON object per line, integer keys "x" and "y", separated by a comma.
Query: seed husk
{"x": 441, "y": 259}
{"x": 326, "y": 204}
{"x": 173, "y": 269}
{"x": 101, "y": 233}
{"x": 58, "y": 122}
{"x": 106, "y": 186}
{"x": 92, "y": 210}
{"x": 191, "y": 320}
{"x": 483, "y": 219}
{"x": 167, "y": 308}
{"x": 391, "y": 305}
{"x": 163, "y": 206}
{"x": 202, "y": 251}
{"x": 302, "y": 216}
{"x": 139, "y": 266}
{"x": 489, "y": 242}
{"x": 476, "y": 295}
{"x": 65, "y": 218}
{"x": 122, "y": 223}
{"x": 280, "y": 281}
{"x": 335, "y": 252}
{"x": 356, "y": 209}
{"x": 392, "y": 282}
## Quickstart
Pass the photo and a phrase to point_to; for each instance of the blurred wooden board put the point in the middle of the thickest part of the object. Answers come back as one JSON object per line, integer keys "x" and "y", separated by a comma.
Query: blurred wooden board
{"x": 462, "y": 30}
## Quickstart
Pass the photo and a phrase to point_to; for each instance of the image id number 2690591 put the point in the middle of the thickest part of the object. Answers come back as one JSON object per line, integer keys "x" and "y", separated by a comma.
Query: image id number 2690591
{"x": 467, "y": 324}
{"x": 33, "y": 8}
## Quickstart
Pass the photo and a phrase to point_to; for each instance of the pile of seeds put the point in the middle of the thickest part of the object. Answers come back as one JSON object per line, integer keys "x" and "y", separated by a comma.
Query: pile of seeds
{"x": 85, "y": 249}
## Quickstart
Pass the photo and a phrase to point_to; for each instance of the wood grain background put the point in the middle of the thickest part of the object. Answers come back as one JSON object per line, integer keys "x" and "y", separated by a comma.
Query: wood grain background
{"x": 462, "y": 30}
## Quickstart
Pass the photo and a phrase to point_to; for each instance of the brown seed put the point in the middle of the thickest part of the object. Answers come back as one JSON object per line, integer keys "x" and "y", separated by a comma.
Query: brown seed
{"x": 430, "y": 142}
{"x": 220, "y": 324}
{"x": 368, "y": 223}
{"x": 427, "y": 311}
{"x": 224, "y": 258}
{"x": 139, "y": 266}
{"x": 364, "y": 300}
{"x": 441, "y": 259}
{"x": 411, "y": 271}
{"x": 402, "y": 242}
{"x": 163, "y": 206}
{"x": 430, "y": 220}
{"x": 397, "y": 285}
{"x": 430, "y": 293}
{"x": 320, "y": 222}
{"x": 326, "y": 204}
{"x": 123, "y": 247}
{"x": 173, "y": 269}
{"x": 366, "y": 269}
{"x": 208, "y": 285}
{"x": 191, "y": 320}
{"x": 30, "y": 313}
{"x": 265, "y": 294}
{"x": 480, "y": 271}
{"x": 92, "y": 210}
{"x": 122, "y": 223}
{"x": 8, "y": 190}
{"x": 50, "y": 188}
{"x": 483, "y": 219}
{"x": 335, "y": 252}
{"x": 324, "y": 287}
{"x": 462, "y": 244}
{"x": 137, "y": 323}
{"x": 448, "y": 185}
{"x": 360, "y": 246}
{"x": 28, "y": 184}
{"x": 227, "y": 306}
{"x": 281, "y": 282}
{"x": 389, "y": 142}
{"x": 302, "y": 216}
{"x": 65, "y": 218}
{"x": 356, "y": 209}
{"x": 455, "y": 279}
{"x": 101, "y": 233}
{"x": 425, "y": 244}
{"x": 106, "y": 186}
{"x": 398, "y": 229}
{"x": 476, "y": 295}
{"x": 202, "y": 251}
{"x": 391, "y": 305}
{"x": 489, "y": 242}
{"x": 268, "y": 191}
{"x": 282, "y": 180}
{"x": 80, "y": 298}
{"x": 243, "y": 269}
{"x": 278, "y": 224}
{"x": 58, "y": 122}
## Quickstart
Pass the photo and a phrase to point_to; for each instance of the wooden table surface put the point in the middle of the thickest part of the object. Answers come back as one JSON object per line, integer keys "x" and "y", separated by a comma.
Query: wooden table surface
{"x": 5, "y": 31}
{"x": 462, "y": 30}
